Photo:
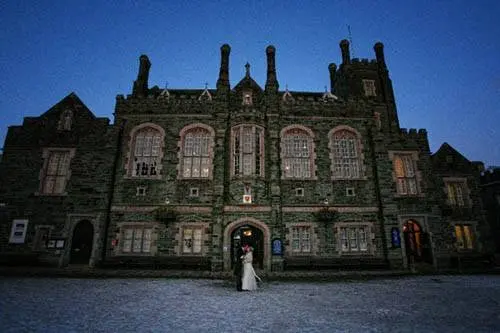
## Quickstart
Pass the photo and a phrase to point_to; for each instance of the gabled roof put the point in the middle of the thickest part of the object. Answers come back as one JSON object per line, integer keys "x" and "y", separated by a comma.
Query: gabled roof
{"x": 448, "y": 160}
{"x": 71, "y": 101}
{"x": 447, "y": 150}
{"x": 248, "y": 83}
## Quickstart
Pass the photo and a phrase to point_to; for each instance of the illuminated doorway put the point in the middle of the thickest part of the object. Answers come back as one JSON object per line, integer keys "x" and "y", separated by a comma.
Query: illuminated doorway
{"x": 253, "y": 236}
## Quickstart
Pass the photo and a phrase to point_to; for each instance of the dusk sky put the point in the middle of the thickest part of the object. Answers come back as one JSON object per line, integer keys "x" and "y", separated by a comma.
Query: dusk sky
{"x": 443, "y": 56}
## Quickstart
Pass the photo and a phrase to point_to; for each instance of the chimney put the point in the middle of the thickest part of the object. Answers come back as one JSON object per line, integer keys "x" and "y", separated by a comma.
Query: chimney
{"x": 332, "y": 68}
{"x": 223, "y": 81}
{"x": 271, "y": 82}
{"x": 379, "y": 53}
{"x": 344, "y": 47}
{"x": 141, "y": 84}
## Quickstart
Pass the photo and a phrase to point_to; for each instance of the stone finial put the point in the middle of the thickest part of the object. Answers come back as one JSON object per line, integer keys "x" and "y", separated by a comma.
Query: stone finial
{"x": 271, "y": 82}
{"x": 141, "y": 84}
{"x": 247, "y": 70}
{"x": 223, "y": 80}
{"x": 379, "y": 53}
{"x": 332, "y": 68}
{"x": 344, "y": 48}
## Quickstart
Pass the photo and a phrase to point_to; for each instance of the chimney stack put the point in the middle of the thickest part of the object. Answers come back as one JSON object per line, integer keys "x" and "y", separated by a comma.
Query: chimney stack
{"x": 379, "y": 53}
{"x": 223, "y": 81}
{"x": 271, "y": 82}
{"x": 332, "y": 68}
{"x": 344, "y": 47}
{"x": 141, "y": 84}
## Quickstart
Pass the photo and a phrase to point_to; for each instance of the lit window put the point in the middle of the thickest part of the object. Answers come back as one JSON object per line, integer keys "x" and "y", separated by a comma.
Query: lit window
{"x": 406, "y": 180}
{"x": 56, "y": 172}
{"x": 464, "y": 237}
{"x": 196, "y": 157}
{"x": 191, "y": 240}
{"x": 137, "y": 240}
{"x": 455, "y": 191}
{"x": 248, "y": 151}
{"x": 346, "y": 160}
{"x": 301, "y": 239}
{"x": 147, "y": 146}
{"x": 369, "y": 87}
{"x": 354, "y": 239}
{"x": 297, "y": 159}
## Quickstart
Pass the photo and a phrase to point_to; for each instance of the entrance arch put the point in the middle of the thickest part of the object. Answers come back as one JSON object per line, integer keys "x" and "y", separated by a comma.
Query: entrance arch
{"x": 82, "y": 242}
{"x": 413, "y": 240}
{"x": 256, "y": 234}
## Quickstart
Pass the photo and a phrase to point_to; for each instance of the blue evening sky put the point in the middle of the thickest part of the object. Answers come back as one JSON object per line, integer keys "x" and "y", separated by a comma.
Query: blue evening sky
{"x": 443, "y": 56}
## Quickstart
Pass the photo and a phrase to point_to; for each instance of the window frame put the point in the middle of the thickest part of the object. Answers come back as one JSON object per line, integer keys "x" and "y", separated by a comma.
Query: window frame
{"x": 130, "y": 163}
{"x": 256, "y": 156}
{"x": 353, "y": 232}
{"x": 455, "y": 184}
{"x": 47, "y": 153}
{"x": 369, "y": 88}
{"x": 404, "y": 179}
{"x": 133, "y": 239}
{"x": 355, "y": 163}
{"x": 464, "y": 241}
{"x": 299, "y": 163}
{"x": 193, "y": 239}
{"x": 209, "y": 156}
{"x": 301, "y": 240}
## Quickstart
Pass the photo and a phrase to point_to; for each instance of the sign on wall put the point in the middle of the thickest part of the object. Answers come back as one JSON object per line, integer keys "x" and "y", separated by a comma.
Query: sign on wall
{"x": 396, "y": 238}
{"x": 277, "y": 247}
{"x": 18, "y": 231}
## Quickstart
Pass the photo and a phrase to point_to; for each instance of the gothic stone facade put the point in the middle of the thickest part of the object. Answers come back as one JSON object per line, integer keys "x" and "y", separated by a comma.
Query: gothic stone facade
{"x": 310, "y": 180}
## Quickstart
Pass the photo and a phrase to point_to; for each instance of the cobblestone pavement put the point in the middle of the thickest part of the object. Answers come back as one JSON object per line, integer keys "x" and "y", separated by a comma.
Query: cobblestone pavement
{"x": 410, "y": 304}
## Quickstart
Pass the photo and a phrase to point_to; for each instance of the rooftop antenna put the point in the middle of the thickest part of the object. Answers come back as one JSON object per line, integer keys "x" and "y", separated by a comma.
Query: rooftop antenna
{"x": 350, "y": 40}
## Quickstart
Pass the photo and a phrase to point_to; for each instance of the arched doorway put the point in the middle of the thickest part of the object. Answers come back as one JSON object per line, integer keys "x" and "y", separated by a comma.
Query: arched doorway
{"x": 253, "y": 236}
{"x": 81, "y": 243}
{"x": 413, "y": 237}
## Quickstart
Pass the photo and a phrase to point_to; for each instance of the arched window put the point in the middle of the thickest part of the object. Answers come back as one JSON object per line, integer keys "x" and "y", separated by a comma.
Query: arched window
{"x": 297, "y": 153}
{"x": 146, "y": 151}
{"x": 196, "y": 152}
{"x": 345, "y": 154}
{"x": 247, "y": 143}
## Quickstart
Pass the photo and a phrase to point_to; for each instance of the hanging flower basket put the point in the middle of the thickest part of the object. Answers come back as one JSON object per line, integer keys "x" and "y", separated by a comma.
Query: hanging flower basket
{"x": 326, "y": 215}
{"x": 165, "y": 214}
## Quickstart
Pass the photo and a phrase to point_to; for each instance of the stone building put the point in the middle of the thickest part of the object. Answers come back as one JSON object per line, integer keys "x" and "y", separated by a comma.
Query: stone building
{"x": 311, "y": 180}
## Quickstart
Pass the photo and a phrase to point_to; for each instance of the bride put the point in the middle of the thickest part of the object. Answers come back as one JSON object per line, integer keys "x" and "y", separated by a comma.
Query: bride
{"x": 248, "y": 280}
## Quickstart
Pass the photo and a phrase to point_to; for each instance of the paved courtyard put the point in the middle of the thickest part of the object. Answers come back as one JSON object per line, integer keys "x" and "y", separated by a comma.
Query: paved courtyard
{"x": 413, "y": 304}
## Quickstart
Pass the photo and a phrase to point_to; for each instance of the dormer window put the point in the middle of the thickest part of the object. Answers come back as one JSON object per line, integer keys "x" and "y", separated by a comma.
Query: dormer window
{"x": 369, "y": 87}
{"x": 247, "y": 98}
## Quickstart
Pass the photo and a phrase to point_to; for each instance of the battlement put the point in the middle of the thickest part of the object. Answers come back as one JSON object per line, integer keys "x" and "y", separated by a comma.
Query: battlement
{"x": 413, "y": 134}
{"x": 364, "y": 62}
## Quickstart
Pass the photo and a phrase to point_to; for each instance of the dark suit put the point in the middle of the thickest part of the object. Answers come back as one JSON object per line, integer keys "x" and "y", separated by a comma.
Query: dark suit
{"x": 238, "y": 268}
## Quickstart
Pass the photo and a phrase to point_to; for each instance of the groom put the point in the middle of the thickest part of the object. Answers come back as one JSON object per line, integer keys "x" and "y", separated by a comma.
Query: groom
{"x": 238, "y": 267}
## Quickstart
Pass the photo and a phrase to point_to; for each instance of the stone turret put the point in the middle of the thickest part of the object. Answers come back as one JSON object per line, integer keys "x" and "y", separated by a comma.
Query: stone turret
{"x": 140, "y": 88}
{"x": 379, "y": 54}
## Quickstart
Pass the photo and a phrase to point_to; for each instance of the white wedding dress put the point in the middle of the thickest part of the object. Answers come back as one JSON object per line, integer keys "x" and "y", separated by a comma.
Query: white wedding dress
{"x": 248, "y": 280}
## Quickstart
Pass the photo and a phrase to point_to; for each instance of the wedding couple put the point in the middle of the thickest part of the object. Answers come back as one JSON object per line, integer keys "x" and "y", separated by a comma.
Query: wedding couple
{"x": 243, "y": 269}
